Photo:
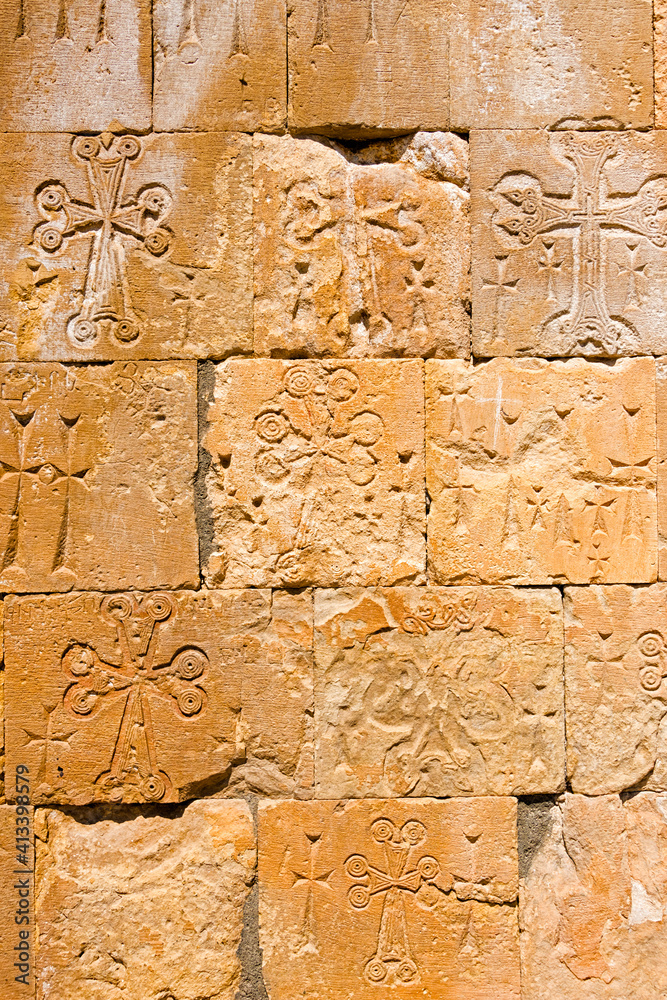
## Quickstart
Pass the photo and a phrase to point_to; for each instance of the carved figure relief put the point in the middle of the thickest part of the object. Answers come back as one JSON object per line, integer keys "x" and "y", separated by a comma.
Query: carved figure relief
{"x": 438, "y": 693}
{"x": 583, "y": 260}
{"x": 358, "y": 254}
{"x": 393, "y": 960}
{"x": 107, "y": 307}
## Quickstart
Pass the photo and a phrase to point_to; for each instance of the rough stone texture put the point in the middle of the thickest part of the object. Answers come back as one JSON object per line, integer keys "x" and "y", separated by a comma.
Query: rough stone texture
{"x": 362, "y": 253}
{"x": 367, "y": 898}
{"x": 615, "y": 689}
{"x": 17, "y": 925}
{"x": 141, "y": 906}
{"x": 317, "y": 473}
{"x": 90, "y": 495}
{"x": 526, "y": 64}
{"x": 541, "y": 472}
{"x": 84, "y": 64}
{"x": 352, "y": 66}
{"x": 660, "y": 61}
{"x": 159, "y": 697}
{"x": 550, "y": 278}
{"x": 438, "y": 692}
{"x": 661, "y": 415}
{"x": 220, "y": 66}
{"x": 2, "y": 703}
{"x": 125, "y": 246}
{"x": 593, "y": 903}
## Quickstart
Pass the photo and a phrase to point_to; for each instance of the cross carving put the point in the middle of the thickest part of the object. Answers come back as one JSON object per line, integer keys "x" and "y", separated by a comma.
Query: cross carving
{"x": 392, "y": 959}
{"x": 137, "y": 681}
{"x": 111, "y": 218}
{"x": 590, "y": 217}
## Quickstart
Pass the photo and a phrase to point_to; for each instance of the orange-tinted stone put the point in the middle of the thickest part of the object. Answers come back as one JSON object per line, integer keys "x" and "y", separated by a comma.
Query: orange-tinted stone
{"x": 18, "y": 932}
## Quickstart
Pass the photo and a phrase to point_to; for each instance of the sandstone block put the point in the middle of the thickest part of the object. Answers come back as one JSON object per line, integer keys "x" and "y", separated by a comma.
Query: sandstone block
{"x": 84, "y": 64}
{"x": 660, "y": 61}
{"x": 593, "y": 903}
{"x": 352, "y": 66}
{"x": 90, "y": 494}
{"x": 361, "y": 253}
{"x": 616, "y": 695}
{"x": 159, "y": 697}
{"x": 220, "y": 66}
{"x": 430, "y": 691}
{"x": 541, "y": 472}
{"x": 661, "y": 414}
{"x": 568, "y": 250}
{"x": 18, "y": 937}
{"x": 143, "y": 905}
{"x": 125, "y": 247}
{"x": 523, "y": 64}
{"x": 389, "y": 895}
{"x": 316, "y": 475}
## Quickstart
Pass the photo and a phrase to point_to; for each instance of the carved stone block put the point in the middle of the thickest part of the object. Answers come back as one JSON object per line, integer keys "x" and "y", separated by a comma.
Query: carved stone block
{"x": 18, "y": 937}
{"x": 569, "y": 243}
{"x": 143, "y": 905}
{"x": 593, "y": 900}
{"x": 525, "y": 64}
{"x": 90, "y": 493}
{"x": 362, "y": 253}
{"x": 615, "y": 670}
{"x": 125, "y": 246}
{"x": 455, "y": 691}
{"x": 67, "y": 65}
{"x": 541, "y": 472}
{"x": 352, "y": 66}
{"x": 159, "y": 697}
{"x": 220, "y": 66}
{"x": 367, "y": 896}
{"x": 317, "y": 473}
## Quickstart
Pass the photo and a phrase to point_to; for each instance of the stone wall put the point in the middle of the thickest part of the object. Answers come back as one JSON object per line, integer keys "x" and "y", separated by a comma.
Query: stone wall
{"x": 333, "y": 499}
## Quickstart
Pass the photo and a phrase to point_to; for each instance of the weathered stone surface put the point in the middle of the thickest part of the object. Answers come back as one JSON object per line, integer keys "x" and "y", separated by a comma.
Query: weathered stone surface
{"x": 90, "y": 494}
{"x": 569, "y": 243}
{"x": 75, "y": 65}
{"x": 18, "y": 939}
{"x": 541, "y": 472}
{"x": 159, "y": 697}
{"x": 362, "y": 253}
{"x": 2, "y": 703}
{"x": 143, "y": 906}
{"x": 593, "y": 903}
{"x": 367, "y": 896}
{"x": 125, "y": 246}
{"x": 661, "y": 415}
{"x": 352, "y": 66}
{"x": 317, "y": 474}
{"x": 660, "y": 61}
{"x": 525, "y": 64}
{"x": 438, "y": 692}
{"x": 616, "y": 693}
{"x": 220, "y": 66}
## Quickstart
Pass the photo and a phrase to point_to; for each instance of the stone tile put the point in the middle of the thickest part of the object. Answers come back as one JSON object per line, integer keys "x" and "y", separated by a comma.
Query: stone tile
{"x": 661, "y": 413}
{"x": 593, "y": 903}
{"x": 386, "y": 895}
{"x": 362, "y": 253}
{"x": 84, "y": 64}
{"x": 541, "y": 472}
{"x": 317, "y": 474}
{"x": 125, "y": 247}
{"x": 220, "y": 66}
{"x": 438, "y": 691}
{"x": 616, "y": 696}
{"x": 90, "y": 494}
{"x": 143, "y": 905}
{"x": 523, "y": 64}
{"x": 18, "y": 938}
{"x": 159, "y": 697}
{"x": 352, "y": 66}
{"x": 550, "y": 278}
